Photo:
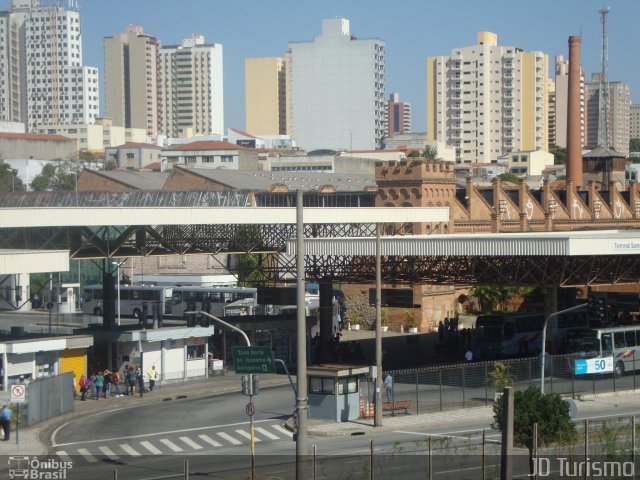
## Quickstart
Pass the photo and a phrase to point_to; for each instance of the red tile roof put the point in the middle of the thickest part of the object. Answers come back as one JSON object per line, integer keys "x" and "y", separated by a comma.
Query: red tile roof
{"x": 206, "y": 145}
{"x": 35, "y": 136}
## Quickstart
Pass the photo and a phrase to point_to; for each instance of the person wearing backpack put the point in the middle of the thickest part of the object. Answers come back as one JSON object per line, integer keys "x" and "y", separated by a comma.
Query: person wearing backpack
{"x": 84, "y": 385}
{"x": 5, "y": 419}
{"x": 115, "y": 380}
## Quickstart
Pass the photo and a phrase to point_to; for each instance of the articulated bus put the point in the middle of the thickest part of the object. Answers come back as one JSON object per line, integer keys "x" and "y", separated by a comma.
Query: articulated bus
{"x": 132, "y": 299}
{"x": 499, "y": 335}
{"x": 621, "y": 343}
{"x": 209, "y": 299}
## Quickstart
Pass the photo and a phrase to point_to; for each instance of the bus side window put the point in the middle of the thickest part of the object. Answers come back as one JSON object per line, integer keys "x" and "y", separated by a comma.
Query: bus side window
{"x": 606, "y": 344}
{"x": 618, "y": 340}
{"x": 509, "y": 331}
{"x": 630, "y": 338}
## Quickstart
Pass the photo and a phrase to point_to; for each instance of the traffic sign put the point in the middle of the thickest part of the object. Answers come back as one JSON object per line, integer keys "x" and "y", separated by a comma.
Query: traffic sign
{"x": 18, "y": 393}
{"x": 253, "y": 360}
{"x": 251, "y": 409}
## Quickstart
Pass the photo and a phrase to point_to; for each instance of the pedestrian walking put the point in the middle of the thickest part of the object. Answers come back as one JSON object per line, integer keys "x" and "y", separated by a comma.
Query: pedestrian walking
{"x": 115, "y": 380}
{"x": 5, "y": 420}
{"x": 84, "y": 384}
{"x": 388, "y": 387}
{"x": 130, "y": 379}
{"x": 153, "y": 376}
{"x": 107, "y": 383}
{"x": 99, "y": 381}
{"x": 140, "y": 378}
{"x": 468, "y": 356}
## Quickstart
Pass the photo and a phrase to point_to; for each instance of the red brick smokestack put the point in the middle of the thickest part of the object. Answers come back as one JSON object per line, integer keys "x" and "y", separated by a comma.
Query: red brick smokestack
{"x": 574, "y": 131}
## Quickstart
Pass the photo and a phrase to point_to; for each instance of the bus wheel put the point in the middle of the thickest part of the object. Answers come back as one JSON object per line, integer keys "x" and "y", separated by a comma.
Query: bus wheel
{"x": 618, "y": 370}
{"x": 97, "y": 311}
{"x": 137, "y": 313}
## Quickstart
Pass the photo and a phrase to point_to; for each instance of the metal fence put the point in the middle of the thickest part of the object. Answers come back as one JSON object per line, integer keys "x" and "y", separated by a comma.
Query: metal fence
{"x": 451, "y": 387}
{"x": 48, "y": 397}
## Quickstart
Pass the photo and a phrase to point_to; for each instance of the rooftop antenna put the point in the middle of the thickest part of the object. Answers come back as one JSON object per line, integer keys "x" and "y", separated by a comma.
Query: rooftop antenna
{"x": 603, "y": 100}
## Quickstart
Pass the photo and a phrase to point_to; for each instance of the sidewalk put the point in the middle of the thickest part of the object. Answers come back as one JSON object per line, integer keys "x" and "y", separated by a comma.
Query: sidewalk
{"x": 456, "y": 419}
{"x": 34, "y": 440}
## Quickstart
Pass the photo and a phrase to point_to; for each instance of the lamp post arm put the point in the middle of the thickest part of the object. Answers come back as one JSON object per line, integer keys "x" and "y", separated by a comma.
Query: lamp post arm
{"x": 228, "y": 325}
{"x": 544, "y": 337}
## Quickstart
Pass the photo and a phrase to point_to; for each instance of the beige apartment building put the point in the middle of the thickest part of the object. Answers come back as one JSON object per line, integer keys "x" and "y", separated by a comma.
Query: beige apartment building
{"x": 130, "y": 69}
{"x": 561, "y": 86}
{"x": 488, "y": 100}
{"x": 190, "y": 88}
{"x": 265, "y": 96}
{"x": 617, "y": 130}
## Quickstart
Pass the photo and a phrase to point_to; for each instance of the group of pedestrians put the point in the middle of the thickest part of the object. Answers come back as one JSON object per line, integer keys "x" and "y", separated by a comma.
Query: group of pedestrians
{"x": 106, "y": 384}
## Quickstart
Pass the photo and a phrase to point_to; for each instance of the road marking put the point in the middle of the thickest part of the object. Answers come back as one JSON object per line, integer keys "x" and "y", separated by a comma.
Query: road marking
{"x": 191, "y": 443}
{"x": 209, "y": 440}
{"x": 129, "y": 449}
{"x": 146, "y": 435}
{"x": 280, "y": 429}
{"x": 64, "y": 455}
{"x": 149, "y": 446}
{"x": 85, "y": 453}
{"x": 229, "y": 438}
{"x": 109, "y": 453}
{"x": 267, "y": 434}
{"x": 171, "y": 445}
{"x": 246, "y": 435}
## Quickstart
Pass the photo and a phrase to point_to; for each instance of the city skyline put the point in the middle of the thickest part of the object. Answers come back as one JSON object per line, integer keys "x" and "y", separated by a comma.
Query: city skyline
{"x": 409, "y": 30}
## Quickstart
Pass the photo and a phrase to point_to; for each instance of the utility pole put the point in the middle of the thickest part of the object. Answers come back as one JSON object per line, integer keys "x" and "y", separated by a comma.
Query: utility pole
{"x": 301, "y": 399}
{"x": 377, "y": 419}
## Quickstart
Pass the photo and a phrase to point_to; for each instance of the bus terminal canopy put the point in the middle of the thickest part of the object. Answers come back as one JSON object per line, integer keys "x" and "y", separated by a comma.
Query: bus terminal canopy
{"x": 529, "y": 259}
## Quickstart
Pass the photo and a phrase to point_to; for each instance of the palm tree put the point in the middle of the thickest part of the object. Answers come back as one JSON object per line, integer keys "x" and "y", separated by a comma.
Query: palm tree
{"x": 430, "y": 153}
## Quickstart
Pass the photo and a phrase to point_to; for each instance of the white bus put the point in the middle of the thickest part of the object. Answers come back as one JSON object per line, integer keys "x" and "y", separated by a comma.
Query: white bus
{"x": 211, "y": 299}
{"x": 498, "y": 335}
{"x": 621, "y": 343}
{"x": 132, "y": 299}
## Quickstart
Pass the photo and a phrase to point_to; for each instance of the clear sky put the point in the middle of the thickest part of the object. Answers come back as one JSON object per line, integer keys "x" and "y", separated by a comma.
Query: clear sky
{"x": 412, "y": 30}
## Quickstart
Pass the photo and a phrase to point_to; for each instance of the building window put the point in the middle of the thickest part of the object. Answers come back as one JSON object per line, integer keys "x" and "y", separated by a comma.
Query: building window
{"x": 189, "y": 160}
{"x": 130, "y": 156}
{"x": 207, "y": 159}
{"x": 226, "y": 158}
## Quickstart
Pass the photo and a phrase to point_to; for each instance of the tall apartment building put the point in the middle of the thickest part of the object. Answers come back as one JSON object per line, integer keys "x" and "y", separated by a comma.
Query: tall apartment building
{"x": 398, "y": 116}
{"x": 41, "y": 58}
{"x": 266, "y": 96}
{"x": 130, "y": 71}
{"x": 634, "y": 121}
{"x": 336, "y": 88}
{"x": 488, "y": 100}
{"x": 190, "y": 88}
{"x": 619, "y": 115}
{"x": 561, "y": 85}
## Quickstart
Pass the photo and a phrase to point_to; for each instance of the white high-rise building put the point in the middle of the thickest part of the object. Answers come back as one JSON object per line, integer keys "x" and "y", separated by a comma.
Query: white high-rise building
{"x": 45, "y": 46}
{"x": 634, "y": 121}
{"x": 190, "y": 89}
{"x": 488, "y": 100}
{"x": 619, "y": 106}
{"x": 337, "y": 90}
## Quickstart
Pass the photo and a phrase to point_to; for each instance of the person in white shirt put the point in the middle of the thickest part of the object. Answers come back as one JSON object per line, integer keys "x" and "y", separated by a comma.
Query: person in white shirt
{"x": 468, "y": 356}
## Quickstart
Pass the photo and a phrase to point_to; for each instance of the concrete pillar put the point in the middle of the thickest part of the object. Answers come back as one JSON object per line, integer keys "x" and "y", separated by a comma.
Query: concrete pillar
{"x": 108, "y": 297}
{"x": 524, "y": 222}
{"x": 574, "y": 124}
{"x": 506, "y": 464}
{"x": 5, "y": 374}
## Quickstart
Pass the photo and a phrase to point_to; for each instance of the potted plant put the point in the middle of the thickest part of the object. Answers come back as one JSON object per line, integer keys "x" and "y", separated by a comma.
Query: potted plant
{"x": 383, "y": 319}
{"x": 410, "y": 321}
{"x": 355, "y": 320}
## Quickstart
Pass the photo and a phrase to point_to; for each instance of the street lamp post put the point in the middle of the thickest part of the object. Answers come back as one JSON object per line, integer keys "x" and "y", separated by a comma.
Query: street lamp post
{"x": 544, "y": 337}
{"x": 117, "y": 265}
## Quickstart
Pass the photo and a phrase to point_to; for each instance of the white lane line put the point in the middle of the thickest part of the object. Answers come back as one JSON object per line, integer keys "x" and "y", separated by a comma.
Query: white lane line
{"x": 228, "y": 438}
{"x": 149, "y": 446}
{"x": 64, "y": 455}
{"x": 270, "y": 435}
{"x": 280, "y": 429}
{"x": 246, "y": 435}
{"x": 129, "y": 449}
{"x": 171, "y": 445}
{"x": 209, "y": 440}
{"x": 85, "y": 453}
{"x": 109, "y": 453}
{"x": 191, "y": 443}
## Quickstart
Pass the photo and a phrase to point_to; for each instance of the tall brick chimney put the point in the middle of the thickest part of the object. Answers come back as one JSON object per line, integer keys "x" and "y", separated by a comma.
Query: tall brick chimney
{"x": 574, "y": 130}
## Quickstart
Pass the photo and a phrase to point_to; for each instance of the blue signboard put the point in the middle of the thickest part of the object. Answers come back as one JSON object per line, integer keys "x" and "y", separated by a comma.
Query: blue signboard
{"x": 594, "y": 365}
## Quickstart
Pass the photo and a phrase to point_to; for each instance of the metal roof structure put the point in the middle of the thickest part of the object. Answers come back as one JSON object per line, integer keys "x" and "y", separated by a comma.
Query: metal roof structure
{"x": 527, "y": 259}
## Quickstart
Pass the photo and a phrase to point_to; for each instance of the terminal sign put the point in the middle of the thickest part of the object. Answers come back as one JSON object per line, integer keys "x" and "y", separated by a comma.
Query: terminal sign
{"x": 594, "y": 365}
{"x": 253, "y": 360}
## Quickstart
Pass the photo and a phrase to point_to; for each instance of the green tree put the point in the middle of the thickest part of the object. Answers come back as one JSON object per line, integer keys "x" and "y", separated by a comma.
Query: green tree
{"x": 57, "y": 177}
{"x": 430, "y": 152}
{"x": 251, "y": 270}
{"x": 549, "y": 411}
{"x": 493, "y": 298}
{"x": 414, "y": 153}
{"x": 509, "y": 177}
{"x": 559, "y": 155}
{"x": 9, "y": 180}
